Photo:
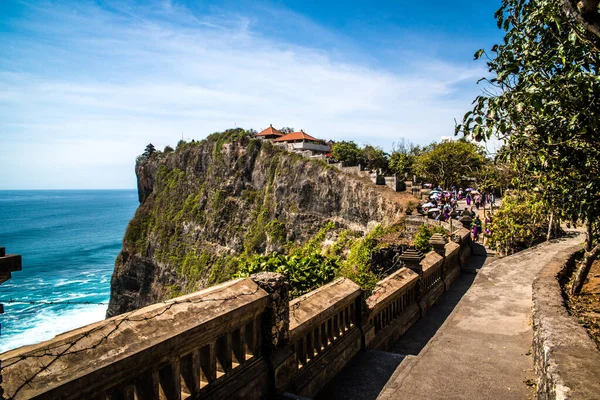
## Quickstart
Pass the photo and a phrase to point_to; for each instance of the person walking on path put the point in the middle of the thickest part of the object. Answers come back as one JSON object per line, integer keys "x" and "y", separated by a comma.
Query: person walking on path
{"x": 476, "y": 229}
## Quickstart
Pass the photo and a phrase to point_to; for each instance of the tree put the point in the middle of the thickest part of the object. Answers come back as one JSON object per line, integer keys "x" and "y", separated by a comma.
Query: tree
{"x": 346, "y": 152}
{"x": 447, "y": 162}
{"x": 286, "y": 129}
{"x": 495, "y": 175}
{"x": 149, "y": 150}
{"x": 403, "y": 157}
{"x": 544, "y": 99}
{"x": 373, "y": 157}
{"x": 401, "y": 164}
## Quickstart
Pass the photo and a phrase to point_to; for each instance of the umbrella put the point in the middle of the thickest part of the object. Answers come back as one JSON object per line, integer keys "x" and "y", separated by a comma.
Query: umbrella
{"x": 433, "y": 210}
{"x": 435, "y": 191}
{"x": 428, "y": 205}
{"x": 435, "y": 196}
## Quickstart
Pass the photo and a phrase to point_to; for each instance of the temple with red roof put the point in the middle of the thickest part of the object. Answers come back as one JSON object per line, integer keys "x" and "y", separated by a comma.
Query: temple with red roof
{"x": 295, "y": 141}
{"x": 270, "y": 133}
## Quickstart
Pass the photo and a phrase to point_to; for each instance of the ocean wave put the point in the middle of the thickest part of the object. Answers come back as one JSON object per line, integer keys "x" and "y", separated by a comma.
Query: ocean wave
{"x": 48, "y": 323}
{"x": 64, "y": 282}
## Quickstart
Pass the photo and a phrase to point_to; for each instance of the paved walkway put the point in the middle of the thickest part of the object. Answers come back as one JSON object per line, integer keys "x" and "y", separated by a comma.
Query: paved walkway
{"x": 482, "y": 351}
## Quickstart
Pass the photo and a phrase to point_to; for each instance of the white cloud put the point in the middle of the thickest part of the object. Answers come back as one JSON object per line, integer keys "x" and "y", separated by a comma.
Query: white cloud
{"x": 109, "y": 82}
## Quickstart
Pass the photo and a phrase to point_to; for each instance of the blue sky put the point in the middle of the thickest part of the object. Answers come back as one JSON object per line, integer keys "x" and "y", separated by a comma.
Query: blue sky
{"x": 84, "y": 86}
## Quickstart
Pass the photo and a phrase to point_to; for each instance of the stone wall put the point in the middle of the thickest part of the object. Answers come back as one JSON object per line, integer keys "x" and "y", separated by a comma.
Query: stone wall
{"x": 392, "y": 182}
{"x": 241, "y": 339}
{"x": 566, "y": 361}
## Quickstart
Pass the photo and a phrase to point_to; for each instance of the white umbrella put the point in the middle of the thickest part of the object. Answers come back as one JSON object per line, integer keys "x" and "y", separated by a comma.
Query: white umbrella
{"x": 428, "y": 205}
{"x": 433, "y": 210}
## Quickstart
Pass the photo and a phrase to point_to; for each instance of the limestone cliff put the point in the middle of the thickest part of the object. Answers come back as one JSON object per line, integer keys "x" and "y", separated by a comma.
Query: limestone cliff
{"x": 208, "y": 201}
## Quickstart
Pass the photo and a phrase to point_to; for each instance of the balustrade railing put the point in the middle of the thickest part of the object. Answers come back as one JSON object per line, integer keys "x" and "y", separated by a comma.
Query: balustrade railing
{"x": 172, "y": 350}
{"x": 392, "y": 297}
{"x": 213, "y": 343}
{"x": 319, "y": 319}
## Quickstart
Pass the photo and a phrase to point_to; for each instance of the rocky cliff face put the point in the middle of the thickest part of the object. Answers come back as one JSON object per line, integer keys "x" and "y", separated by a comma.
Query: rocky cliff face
{"x": 209, "y": 201}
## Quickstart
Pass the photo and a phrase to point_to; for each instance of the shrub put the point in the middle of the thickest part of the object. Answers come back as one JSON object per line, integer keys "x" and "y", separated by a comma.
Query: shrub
{"x": 305, "y": 273}
{"x": 423, "y": 234}
{"x": 520, "y": 222}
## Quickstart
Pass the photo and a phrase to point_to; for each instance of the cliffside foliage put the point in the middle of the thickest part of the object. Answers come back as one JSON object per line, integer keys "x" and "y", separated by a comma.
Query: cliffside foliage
{"x": 233, "y": 204}
{"x": 544, "y": 101}
{"x": 304, "y": 272}
{"x": 423, "y": 234}
{"x": 315, "y": 264}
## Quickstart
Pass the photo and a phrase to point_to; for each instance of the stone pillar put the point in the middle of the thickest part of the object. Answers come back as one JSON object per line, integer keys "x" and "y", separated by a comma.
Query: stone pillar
{"x": 276, "y": 329}
{"x": 412, "y": 259}
{"x": 276, "y": 332}
{"x": 438, "y": 242}
{"x": 466, "y": 219}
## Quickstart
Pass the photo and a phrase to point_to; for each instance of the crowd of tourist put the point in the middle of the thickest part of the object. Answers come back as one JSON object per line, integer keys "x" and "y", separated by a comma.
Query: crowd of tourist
{"x": 443, "y": 206}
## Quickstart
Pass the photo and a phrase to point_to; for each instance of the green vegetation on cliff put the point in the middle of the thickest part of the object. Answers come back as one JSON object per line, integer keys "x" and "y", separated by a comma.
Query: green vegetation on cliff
{"x": 315, "y": 264}
{"x": 231, "y": 203}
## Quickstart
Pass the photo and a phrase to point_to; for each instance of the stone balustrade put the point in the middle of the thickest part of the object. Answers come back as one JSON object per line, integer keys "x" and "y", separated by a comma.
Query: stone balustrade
{"x": 451, "y": 263}
{"x": 206, "y": 344}
{"x": 324, "y": 333}
{"x": 392, "y": 309}
{"x": 432, "y": 284}
{"x": 240, "y": 339}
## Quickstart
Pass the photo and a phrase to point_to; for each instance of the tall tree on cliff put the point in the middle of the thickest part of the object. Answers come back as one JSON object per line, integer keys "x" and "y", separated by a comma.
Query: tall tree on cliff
{"x": 346, "y": 151}
{"x": 544, "y": 98}
{"x": 447, "y": 162}
{"x": 373, "y": 157}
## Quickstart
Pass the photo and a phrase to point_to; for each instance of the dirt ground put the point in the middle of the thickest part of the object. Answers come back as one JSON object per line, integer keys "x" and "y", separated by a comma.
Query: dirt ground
{"x": 586, "y": 306}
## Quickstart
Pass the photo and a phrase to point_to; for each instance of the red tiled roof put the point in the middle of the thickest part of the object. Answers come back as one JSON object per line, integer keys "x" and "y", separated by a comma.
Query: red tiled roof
{"x": 296, "y": 136}
{"x": 270, "y": 131}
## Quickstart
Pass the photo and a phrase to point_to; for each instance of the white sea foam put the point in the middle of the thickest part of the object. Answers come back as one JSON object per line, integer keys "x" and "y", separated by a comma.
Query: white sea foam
{"x": 63, "y": 282}
{"x": 50, "y": 322}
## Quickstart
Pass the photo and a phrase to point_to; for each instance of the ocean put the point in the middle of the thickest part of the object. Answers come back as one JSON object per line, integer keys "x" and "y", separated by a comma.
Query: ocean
{"x": 69, "y": 240}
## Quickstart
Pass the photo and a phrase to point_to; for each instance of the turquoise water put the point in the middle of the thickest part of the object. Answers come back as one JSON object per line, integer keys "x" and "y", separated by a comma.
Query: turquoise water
{"x": 69, "y": 241}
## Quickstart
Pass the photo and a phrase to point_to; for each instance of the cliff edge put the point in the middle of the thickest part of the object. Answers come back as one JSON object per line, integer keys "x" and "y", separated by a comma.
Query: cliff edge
{"x": 207, "y": 202}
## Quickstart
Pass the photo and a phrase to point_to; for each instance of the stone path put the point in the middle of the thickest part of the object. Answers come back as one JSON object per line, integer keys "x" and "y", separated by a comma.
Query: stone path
{"x": 482, "y": 351}
{"x": 367, "y": 374}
